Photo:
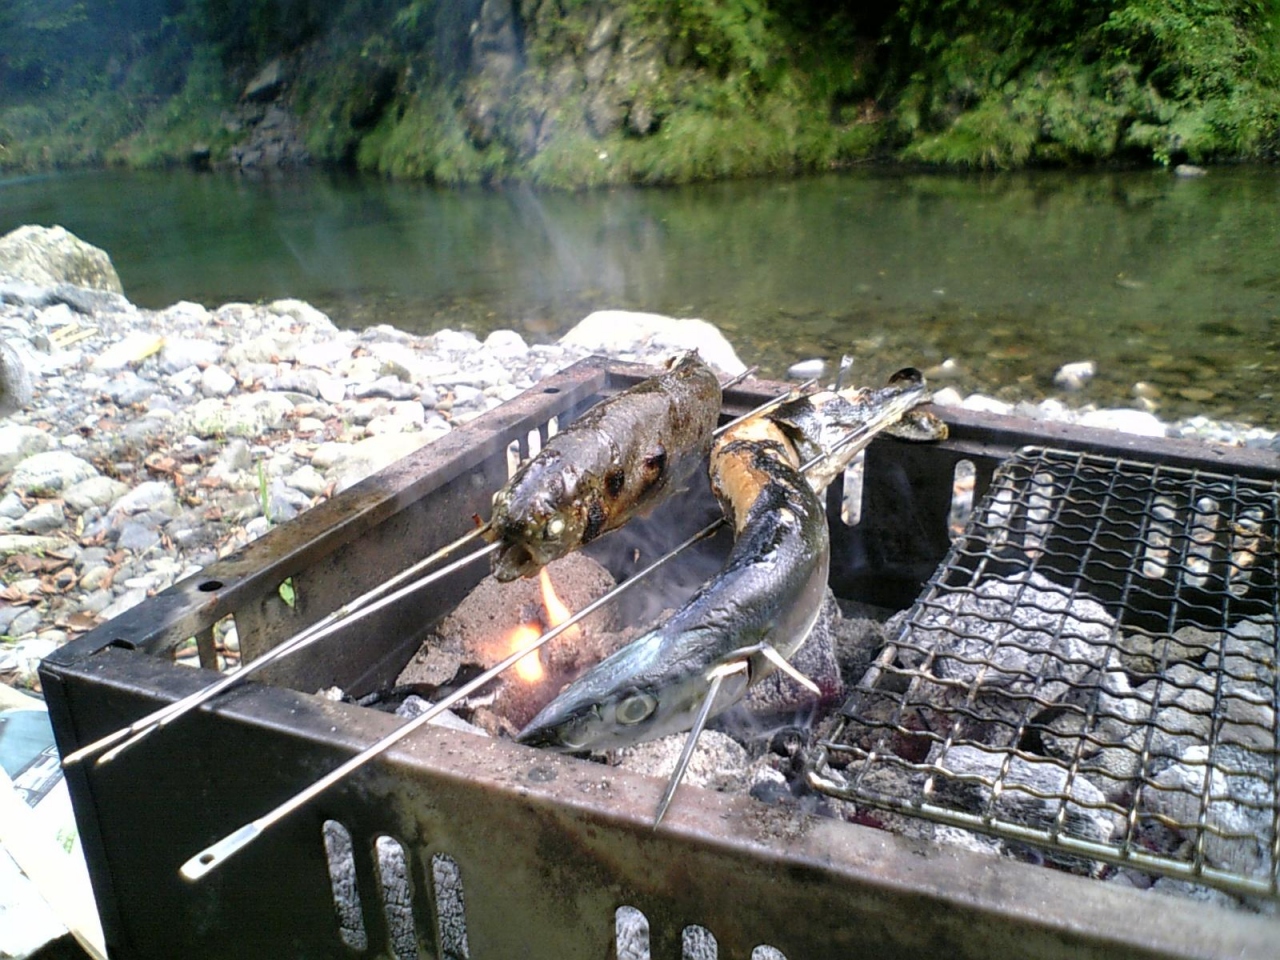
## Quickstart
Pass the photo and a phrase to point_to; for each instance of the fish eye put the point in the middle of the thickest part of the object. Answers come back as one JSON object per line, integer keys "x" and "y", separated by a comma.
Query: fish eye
{"x": 635, "y": 708}
{"x": 555, "y": 527}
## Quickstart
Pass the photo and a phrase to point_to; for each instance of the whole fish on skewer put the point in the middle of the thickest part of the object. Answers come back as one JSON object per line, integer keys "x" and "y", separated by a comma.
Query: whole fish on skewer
{"x": 617, "y": 460}
{"x": 752, "y": 617}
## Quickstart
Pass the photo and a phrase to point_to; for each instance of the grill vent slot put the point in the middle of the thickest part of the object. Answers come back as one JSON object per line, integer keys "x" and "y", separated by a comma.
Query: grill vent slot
{"x": 698, "y": 943}
{"x": 346, "y": 892}
{"x": 451, "y": 913}
{"x": 630, "y": 934}
{"x": 397, "y": 898}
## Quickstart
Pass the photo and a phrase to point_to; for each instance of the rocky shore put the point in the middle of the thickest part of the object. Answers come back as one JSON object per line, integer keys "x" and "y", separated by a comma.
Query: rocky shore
{"x": 154, "y": 442}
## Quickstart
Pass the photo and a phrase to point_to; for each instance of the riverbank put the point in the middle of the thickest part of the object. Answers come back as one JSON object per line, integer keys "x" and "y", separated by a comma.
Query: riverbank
{"x": 157, "y": 441}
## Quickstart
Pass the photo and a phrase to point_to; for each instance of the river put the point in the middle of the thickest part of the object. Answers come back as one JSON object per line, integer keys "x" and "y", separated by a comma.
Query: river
{"x": 1170, "y": 281}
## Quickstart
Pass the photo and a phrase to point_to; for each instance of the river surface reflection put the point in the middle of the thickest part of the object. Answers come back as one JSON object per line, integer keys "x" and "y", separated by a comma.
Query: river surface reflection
{"x": 1170, "y": 281}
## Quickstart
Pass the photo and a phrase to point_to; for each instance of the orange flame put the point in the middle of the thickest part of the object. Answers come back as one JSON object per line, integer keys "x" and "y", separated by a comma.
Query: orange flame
{"x": 529, "y": 668}
{"x": 557, "y": 612}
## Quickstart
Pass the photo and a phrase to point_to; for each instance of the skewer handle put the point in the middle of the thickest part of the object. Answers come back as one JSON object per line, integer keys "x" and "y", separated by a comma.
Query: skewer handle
{"x": 211, "y": 857}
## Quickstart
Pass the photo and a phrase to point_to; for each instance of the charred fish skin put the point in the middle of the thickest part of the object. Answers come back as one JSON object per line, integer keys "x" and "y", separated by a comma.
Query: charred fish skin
{"x": 768, "y": 592}
{"x": 820, "y": 423}
{"x": 615, "y": 461}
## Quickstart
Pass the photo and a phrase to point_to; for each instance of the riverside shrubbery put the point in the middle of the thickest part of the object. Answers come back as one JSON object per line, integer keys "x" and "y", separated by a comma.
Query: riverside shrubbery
{"x": 698, "y": 90}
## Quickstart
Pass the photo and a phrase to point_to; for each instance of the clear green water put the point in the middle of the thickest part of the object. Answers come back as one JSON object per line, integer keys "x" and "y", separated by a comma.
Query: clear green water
{"x": 1175, "y": 282}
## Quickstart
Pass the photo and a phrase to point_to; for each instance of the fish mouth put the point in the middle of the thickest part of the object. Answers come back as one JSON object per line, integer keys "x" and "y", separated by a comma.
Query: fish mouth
{"x": 513, "y": 561}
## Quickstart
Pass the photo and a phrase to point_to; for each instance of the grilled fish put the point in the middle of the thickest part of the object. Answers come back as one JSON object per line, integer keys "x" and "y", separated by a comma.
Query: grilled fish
{"x": 617, "y": 460}
{"x": 757, "y": 611}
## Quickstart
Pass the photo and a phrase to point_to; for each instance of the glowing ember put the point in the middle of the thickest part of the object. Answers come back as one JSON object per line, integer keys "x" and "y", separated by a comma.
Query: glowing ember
{"x": 529, "y": 669}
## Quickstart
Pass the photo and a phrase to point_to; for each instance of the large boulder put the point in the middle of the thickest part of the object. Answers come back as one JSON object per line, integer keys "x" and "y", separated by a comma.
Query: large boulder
{"x": 623, "y": 334}
{"x": 47, "y": 256}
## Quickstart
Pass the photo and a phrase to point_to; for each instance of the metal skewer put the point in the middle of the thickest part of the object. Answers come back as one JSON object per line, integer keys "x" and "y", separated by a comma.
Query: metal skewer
{"x": 360, "y": 606}
{"x": 213, "y": 856}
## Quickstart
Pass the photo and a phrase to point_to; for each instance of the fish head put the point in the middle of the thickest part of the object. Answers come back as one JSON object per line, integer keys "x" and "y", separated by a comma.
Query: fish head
{"x": 535, "y": 521}
{"x": 638, "y": 693}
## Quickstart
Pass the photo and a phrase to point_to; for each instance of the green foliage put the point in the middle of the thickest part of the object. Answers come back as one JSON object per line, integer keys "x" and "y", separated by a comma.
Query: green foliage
{"x": 428, "y": 141}
{"x": 989, "y": 84}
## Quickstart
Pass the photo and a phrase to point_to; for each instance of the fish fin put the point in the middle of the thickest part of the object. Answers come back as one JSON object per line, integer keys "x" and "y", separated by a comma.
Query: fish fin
{"x": 716, "y": 677}
{"x": 779, "y": 661}
{"x": 918, "y": 425}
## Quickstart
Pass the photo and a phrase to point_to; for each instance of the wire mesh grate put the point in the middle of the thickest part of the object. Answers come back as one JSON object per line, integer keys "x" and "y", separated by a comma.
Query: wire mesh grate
{"x": 1091, "y": 671}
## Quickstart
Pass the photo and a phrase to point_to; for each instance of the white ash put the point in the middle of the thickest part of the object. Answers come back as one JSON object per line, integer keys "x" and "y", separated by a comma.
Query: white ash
{"x": 1023, "y": 635}
{"x": 719, "y": 762}
{"x": 1238, "y": 808}
{"x": 414, "y": 706}
{"x": 1029, "y": 795}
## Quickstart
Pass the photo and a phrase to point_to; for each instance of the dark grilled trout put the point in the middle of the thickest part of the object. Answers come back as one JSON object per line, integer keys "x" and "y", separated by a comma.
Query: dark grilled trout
{"x": 764, "y": 602}
{"x": 618, "y": 459}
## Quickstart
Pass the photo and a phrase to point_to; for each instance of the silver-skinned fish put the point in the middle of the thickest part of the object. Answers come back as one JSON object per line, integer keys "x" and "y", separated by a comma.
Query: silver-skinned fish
{"x": 753, "y": 616}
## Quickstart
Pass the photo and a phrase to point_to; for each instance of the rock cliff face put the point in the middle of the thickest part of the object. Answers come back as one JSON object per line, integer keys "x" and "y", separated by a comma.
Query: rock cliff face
{"x": 538, "y": 69}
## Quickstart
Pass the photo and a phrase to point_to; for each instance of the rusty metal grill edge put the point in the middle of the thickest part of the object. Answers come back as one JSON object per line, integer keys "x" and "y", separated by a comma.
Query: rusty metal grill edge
{"x": 547, "y": 847}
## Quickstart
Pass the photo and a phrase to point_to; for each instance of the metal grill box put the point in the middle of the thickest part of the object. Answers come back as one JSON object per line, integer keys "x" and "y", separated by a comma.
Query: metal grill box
{"x": 510, "y": 852}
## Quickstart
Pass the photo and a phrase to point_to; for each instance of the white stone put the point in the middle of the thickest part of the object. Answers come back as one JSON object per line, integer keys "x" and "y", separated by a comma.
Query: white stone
{"x": 178, "y": 353}
{"x": 43, "y": 518}
{"x": 58, "y": 315}
{"x": 309, "y": 425}
{"x": 184, "y": 311}
{"x": 948, "y": 397}
{"x": 11, "y": 543}
{"x": 617, "y": 331}
{"x": 51, "y": 471}
{"x": 148, "y": 495}
{"x": 302, "y": 312}
{"x": 806, "y": 369}
{"x": 506, "y": 344}
{"x": 216, "y": 382}
{"x": 330, "y": 454}
{"x": 983, "y": 404}
{"x": 331, "y": 389}
{"x": 126, "y": 601}
{"x": 275, "y": 347}
{"x": 325, "y": 353}
{"x": 1073, "y": 376}
{"x": 308, "y": 480}
{"x": 389, "y": 423}
{"x": 1141, "y": 422}
{"x": 19, "y": 442}
{"x": 245, "y": 415}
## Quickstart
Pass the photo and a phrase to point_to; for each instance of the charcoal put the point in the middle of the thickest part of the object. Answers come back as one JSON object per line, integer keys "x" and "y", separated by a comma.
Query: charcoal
{"x": 1238, "y": 811}
{"x": 1024, "y": 635}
